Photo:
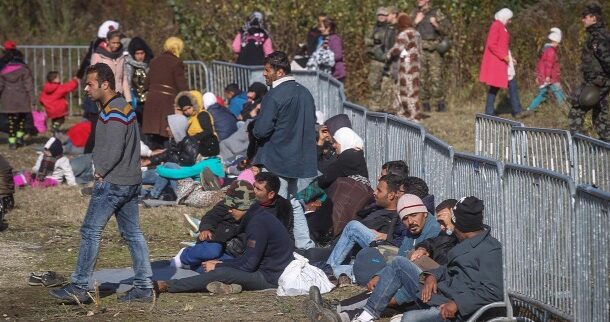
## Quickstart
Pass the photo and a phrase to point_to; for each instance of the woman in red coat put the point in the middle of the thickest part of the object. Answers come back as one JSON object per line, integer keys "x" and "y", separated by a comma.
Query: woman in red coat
{"x": 498, "y": 66}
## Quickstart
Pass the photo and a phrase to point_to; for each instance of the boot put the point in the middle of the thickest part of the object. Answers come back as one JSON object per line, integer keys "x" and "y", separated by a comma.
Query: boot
{"x": 20, "y": 142}
{"x": 441, "y": 107}
{"x": 426, "y": 107}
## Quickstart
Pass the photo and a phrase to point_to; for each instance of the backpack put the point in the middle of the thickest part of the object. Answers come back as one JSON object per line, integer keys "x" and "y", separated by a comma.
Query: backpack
{"x": 251, "y": 52}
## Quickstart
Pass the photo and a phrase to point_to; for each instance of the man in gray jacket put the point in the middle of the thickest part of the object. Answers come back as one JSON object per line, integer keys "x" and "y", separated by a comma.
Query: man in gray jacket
{"x": 116, "y": 158}
{"x": 471, "y": 279}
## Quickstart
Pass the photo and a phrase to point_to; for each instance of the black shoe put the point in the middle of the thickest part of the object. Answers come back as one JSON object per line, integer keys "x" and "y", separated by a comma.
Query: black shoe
{"x": 137, "y": 294}
{"x": 426, "y": 107}
{"x": 20, "y": 142}
{"x": 35, "y": 280}
{"x": 442, "y": 107}
{"x": 315, "y": 296}
{"x": 223, "y": 289}
{"x": 52, "y": 279}
{"x": 71, "y": 294}
{"x": 316, "y": 312}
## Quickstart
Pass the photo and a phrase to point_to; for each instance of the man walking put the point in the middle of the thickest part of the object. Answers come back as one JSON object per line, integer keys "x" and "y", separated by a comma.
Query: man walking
{"x": 285, "y": 128}
{"x": 433, "y": 26}
{"x": 116, "y": 157}
{"x": 596, "y": 75}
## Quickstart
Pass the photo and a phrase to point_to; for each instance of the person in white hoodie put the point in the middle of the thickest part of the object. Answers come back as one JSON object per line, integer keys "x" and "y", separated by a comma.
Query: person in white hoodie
{"x": 52, "y": 167}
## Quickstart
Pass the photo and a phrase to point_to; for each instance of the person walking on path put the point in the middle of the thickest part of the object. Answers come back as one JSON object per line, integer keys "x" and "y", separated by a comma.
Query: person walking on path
{"x": 116, "y": 157}
{"x": 498, "y": 66}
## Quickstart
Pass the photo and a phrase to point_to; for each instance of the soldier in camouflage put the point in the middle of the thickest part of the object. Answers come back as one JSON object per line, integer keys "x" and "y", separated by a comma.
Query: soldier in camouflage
{"x": 433, "y": 26}
{"x": 378, "y": 41}
{"x": 596, "y": 71}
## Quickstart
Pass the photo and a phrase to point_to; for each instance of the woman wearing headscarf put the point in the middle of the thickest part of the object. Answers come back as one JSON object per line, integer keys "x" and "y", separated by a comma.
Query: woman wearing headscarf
{"x": 164, "y": 81}
{"x": 350, "y": 160}
{"x": 498, "y": 65}
{"x": 136, "y": 68}
{"x": 407, "y": 48}
{"x": 252, "y": 42}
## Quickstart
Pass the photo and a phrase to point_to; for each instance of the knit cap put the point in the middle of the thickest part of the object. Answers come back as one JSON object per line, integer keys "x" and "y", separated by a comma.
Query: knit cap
{"x": 107, "y": 26}
{"x": 410, "y": 204}
{"x": 54, "y": 146}
{"x": 555, "y": 34}
{"x": 468, "y": 214}
{"x": 504, "y": 15}
{"x": 240, "y": 195}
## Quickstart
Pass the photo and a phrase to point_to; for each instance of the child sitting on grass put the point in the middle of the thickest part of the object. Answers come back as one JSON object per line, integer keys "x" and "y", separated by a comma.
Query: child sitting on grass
{"x": 548, "y": 72}
{"x": 53, "y": 98}
{"x": 52, "y": 167}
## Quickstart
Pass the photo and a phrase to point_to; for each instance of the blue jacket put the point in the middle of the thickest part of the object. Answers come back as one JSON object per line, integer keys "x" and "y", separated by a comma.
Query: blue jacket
{"x": 285, "y": 131}
{"x": 431, "y": 230}
{"x": 236, "y": 104}
{"x": 224, "y": 122}
{"x": 268, "y": 245}
{"x": 473, "y": 276}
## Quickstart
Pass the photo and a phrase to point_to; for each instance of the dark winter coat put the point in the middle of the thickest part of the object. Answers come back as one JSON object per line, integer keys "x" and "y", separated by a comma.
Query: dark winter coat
{"x": 473, "y": 275}
{"x": 596, "y": 56}
{"x": 282, "y": 209}
{"x": 183, "y": 153}
{"x": 220, "y": 222}
{"x": 438, "y": 247}
{"x": 164, "y": 81}
{"x": 16, "y": 88}
{"x": 225, "y": 122}
{"x": 350, "y": 162}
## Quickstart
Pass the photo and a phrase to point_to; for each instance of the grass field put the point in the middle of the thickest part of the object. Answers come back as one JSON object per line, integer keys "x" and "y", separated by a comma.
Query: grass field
{"x": 43, "y": 234}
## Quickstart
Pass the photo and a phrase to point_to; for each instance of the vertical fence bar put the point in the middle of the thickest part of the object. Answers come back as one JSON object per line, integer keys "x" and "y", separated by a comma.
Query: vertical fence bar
{"x": 438, "y": 160}
{"x": 406, "y": 142}
{"x": 493, "y": 137}
{"x": 375, "y": 144}
{"x": 593, "y": 161}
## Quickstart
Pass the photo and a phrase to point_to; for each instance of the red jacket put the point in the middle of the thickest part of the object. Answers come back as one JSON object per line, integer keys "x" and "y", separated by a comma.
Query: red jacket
{"x": 53, "y": 98}
{"x": 548, "y": 66}
{"x": 494, "y": 70}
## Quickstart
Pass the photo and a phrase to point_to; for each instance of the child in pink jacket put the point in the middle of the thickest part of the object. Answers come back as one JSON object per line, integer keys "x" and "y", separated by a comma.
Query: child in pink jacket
{"x": 548, "y": 71}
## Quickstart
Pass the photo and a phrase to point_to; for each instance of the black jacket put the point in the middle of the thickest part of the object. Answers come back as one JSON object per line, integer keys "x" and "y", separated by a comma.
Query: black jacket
{"x": 220, "y": 222}
{"x": 183, "y": 153}
{"x": 438, "y": 247}
{"x": 350, "y": 162}
{"x": 326, "y": 156}
{"x": 596, "y": 56}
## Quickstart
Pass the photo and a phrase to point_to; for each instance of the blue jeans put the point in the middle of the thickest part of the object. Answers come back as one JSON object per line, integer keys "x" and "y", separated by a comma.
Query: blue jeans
{"x": 400, "y": 274}
{"x": 82, "y": 167}
{"x": 513, "y": 93}
{"x": 201, "y": 252}
{"x": 159, "y": 183}
{"x": 108, "y": 199}
{"x": 354, "y": 233}
{"x": 290, "y": 186}
{"x": 431, "y": 314}
{"x": 542, "y": 93}
{"x": 300, "y": 229}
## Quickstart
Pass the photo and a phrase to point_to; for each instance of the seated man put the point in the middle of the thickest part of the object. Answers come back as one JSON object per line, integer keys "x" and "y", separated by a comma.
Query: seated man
{"x": 397, "y": 167}
{"x": 268, "y": 251}
{"x": 471, "y": 279}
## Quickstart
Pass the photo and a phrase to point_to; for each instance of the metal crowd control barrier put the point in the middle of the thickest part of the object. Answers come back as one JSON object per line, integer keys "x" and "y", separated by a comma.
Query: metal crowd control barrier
{"x": 539, "y": 247}
{"x": 482, "y": 177}
{"x": 356, "y": 114}
{"x": 309, "y": 79}
{"x": 63, "y": 59}
{"x": 593, "y": 161}
{"x": 223, "y": 74}
{"x": 375, "y": 144}
{"x": 493, "y": 137}
{"x": 543, "y": 148}
{"x": 592, "y": 213}
{"x": 197, "y": 75}
{"x": 405, "y": 141}
{"x": 438, "y": 162}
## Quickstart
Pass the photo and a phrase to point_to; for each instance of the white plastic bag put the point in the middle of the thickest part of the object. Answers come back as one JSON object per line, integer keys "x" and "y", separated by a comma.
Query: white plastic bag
{"x": 299, "y": 276}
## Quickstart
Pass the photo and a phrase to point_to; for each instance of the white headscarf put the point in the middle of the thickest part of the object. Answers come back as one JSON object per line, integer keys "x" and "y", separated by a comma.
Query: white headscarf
{"x": 209, "y": 99}
{"x": 108, "y": 25}
{"x": 504, "y": 15}
{"x": 348, "y": 139}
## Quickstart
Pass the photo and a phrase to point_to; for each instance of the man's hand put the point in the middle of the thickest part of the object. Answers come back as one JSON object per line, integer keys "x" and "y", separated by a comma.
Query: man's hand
{"x": 448, "y": 310}
{"x": 144, "y": 162}
{"x": 210, "y": 265}
{"x": 205, "y": 235}
{"x": 419, "y": 17}
{"x": 420, "y": 252}
{"x": 372, "y": 283}
{"x": 429, "y": 288}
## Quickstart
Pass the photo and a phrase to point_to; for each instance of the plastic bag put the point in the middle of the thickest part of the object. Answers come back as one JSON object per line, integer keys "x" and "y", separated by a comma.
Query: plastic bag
{"x": 299, "y": 276}
{"x": 40, "y": 121}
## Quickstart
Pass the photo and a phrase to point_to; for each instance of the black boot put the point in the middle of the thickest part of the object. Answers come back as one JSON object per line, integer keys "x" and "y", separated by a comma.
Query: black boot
{"x": 426, "y": 107}
{"x": 20, "y": 142}
{"x": 441, "y": 106}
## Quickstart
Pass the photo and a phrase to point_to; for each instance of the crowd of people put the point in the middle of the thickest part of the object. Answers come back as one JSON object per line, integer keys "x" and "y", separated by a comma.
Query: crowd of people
{"x": 277, "y": 176}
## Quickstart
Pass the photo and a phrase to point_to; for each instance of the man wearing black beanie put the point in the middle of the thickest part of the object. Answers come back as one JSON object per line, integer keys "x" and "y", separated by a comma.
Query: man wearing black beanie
{"x": 471, "y": 279}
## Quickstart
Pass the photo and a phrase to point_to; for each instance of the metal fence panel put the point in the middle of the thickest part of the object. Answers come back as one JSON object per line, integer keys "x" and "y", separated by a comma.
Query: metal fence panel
{"x": 539, "y": 246}
{"x": 593, "y": 161}
{"x": 335, "y": 97}
{"x": 592, "y": 213}
{"x": 493, "y": 137}
{"x": 438, "y": 161}
{"x": 196, "y": 75}
{"x": 324, "y": 94}
{"x": 356, "y": 114}
{"x": 405, "y": 141}
{"x": 223, "y": 74}
{"x": 375, "y": 144}
{"x": 309, "y": 79}
{"x": 481, "y": 177}
{"x": 543, "y": 148}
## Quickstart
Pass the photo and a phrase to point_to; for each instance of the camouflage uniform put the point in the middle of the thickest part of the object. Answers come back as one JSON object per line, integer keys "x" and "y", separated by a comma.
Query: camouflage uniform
{"x": 596, "y": 71}
{"x": 379, "y": 40}
{"x": 432, "y": 89}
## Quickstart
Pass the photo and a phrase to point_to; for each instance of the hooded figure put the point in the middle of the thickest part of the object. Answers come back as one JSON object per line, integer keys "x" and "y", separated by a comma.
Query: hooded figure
{"x": 346, "y": 139}
{"x": 225, "y": 122}
{"x": 136, "y": 72}
{"x": 350, "y": 161}
{"x": 200, "y": 122}
{"x": 252, "y": 43}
